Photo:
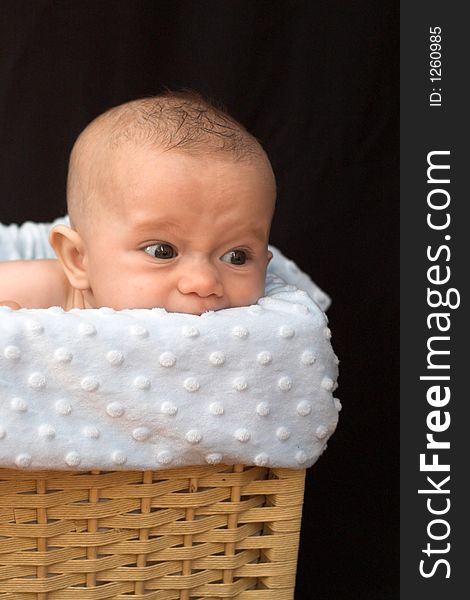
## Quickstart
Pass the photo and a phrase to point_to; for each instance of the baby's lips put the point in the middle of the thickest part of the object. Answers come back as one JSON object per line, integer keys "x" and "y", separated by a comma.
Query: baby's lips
{"x": 11, "y": 304}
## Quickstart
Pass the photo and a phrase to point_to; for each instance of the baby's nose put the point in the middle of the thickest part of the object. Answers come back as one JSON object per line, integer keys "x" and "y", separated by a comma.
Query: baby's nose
{"x": 201, "y": 279}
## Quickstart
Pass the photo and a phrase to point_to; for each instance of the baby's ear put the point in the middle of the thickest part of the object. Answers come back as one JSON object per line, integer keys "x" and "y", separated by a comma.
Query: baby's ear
{"x": 70, "y": 250}
{"x": 270, "y": 255}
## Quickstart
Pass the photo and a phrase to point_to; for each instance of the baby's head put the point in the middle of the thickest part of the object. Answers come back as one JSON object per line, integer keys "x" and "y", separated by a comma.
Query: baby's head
{"x": 170, "y": 201}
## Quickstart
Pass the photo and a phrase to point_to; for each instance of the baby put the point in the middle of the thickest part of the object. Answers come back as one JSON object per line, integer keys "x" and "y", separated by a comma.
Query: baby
{"x": 170, "y": 203}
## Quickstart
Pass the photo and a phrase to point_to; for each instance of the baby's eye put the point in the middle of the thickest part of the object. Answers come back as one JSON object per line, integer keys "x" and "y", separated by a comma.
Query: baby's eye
{"x": 161, "y": 250}
{"x": 235, "y": 257}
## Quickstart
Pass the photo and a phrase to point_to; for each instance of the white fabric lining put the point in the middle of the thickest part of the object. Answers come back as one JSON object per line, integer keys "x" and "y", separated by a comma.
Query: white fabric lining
{"x": 148, "y": 389}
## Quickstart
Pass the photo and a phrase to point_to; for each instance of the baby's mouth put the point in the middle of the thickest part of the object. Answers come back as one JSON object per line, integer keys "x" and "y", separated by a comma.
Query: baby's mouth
{"x": 200, "y": 311}
{"x": 202, "y": 307}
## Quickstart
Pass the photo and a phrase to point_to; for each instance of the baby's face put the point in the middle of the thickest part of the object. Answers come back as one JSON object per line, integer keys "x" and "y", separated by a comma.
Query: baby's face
{"x": 185, "y": 233}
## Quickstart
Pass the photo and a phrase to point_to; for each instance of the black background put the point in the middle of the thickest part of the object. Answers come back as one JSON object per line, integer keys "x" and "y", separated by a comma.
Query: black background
{"x": 317, "y": 83}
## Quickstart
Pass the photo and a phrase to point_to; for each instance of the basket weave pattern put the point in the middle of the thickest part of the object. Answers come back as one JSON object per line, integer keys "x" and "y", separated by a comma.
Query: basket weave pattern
{"x": 194, "y": 533}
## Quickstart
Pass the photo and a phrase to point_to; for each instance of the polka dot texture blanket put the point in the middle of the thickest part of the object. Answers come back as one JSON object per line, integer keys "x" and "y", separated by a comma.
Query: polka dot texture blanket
{"x": 148, "y": 389}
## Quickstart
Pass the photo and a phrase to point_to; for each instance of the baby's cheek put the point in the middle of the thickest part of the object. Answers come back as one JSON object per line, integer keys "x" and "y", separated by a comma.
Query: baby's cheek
{"x": 250, "y": 290}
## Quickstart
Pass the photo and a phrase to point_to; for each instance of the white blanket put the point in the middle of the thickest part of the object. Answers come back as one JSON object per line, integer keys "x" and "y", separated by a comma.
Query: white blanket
{"x": 147, "y": 389}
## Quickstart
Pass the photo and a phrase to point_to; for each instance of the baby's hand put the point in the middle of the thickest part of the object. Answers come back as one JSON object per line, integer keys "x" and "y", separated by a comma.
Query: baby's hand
{"x": 10, "y": 303}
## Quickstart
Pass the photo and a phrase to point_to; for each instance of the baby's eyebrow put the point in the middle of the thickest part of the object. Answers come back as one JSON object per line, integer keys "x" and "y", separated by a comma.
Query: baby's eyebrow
{"x": 257, "y": 232}
{"x": 147, "y": 224}
{"x": 157, "y": 225}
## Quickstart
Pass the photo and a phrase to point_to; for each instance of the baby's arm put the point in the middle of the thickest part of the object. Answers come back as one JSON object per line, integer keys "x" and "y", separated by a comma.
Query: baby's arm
{"x": 32, "y": 284}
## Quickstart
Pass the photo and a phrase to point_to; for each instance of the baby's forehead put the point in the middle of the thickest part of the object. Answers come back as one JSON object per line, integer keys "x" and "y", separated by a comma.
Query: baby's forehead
{"x": 136, "y": 160}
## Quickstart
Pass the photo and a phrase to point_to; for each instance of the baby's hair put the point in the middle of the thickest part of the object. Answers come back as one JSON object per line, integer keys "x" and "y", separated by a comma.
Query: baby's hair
{"x": 173, "y": 120}
{"x": 182, "y": 120}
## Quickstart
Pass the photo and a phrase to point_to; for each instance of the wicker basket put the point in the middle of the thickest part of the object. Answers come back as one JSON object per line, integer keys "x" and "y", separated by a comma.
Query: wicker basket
{"x": 200, "y": 532}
